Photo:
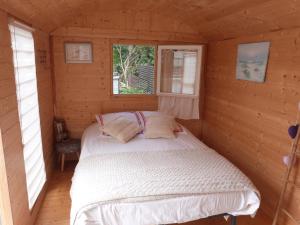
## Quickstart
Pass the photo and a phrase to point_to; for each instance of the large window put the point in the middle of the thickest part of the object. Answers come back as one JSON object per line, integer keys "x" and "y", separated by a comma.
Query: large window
{"x": 133, "y": 69}
{"x": 28, "y": 107}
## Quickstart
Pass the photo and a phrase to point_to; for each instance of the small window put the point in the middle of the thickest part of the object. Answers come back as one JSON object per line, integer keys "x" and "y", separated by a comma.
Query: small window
{"x": 28, "y": 108}
{"x": 179, "y": 70}
{"x": 133, "y": 69}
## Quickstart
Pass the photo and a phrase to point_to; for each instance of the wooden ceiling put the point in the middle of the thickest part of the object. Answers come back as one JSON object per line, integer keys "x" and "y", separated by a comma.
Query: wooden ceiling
{"x": 211, "y": 19}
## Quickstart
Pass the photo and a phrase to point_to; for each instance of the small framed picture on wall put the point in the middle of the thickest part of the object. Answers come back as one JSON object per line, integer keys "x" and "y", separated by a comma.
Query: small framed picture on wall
{"x": 252, "y": 61}
{"x": 78, "y": 52}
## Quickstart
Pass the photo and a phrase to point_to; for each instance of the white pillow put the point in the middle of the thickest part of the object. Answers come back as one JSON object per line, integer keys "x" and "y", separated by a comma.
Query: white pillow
{"x": 144, "y": 115}
{"x": 122, "y": 129}
{"x": 139, "y": 117}
{"x": 159, "y": 127}
{"x": 103, "y": 119}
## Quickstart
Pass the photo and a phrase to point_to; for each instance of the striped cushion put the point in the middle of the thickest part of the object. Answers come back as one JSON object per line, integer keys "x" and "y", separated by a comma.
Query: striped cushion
{"x": 103, "y": 119}
{"x": 122, "y": 129}
{"x": 159, "y": 127}
{"x": 143, "y": 116}
{"x": 139, "y": 117}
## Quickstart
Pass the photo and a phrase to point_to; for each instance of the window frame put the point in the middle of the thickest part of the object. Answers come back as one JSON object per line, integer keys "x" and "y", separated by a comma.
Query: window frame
{"x": 200, "y": 54}
{"x": 133, "y": 42}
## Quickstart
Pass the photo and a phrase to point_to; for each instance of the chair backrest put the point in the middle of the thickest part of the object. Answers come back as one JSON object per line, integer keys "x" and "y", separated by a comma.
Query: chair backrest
{"x": 60, "y": 130}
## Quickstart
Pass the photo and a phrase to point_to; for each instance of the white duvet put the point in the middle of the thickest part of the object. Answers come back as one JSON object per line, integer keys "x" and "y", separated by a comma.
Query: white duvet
{"x": 155, "y": 181}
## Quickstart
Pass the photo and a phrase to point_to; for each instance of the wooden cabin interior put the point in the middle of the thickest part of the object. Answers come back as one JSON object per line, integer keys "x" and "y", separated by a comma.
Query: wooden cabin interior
{"x": 241, "y": 119}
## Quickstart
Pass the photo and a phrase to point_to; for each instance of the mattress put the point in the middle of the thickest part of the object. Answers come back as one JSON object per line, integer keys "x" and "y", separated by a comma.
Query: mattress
{"x": 150, "y": 210}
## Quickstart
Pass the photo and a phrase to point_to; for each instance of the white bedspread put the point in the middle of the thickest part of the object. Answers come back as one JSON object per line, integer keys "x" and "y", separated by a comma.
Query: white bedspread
{"x": 155, "y": 181}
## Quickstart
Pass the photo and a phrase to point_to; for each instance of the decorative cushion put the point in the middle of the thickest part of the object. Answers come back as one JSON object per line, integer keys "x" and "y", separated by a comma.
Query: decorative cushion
{"x": 159, "y": 127}
{"x": 104, "y": 119}
{"x": 144, "y": 115}
{"x": 122, "y": 129}
{"x": 139, "y": 117}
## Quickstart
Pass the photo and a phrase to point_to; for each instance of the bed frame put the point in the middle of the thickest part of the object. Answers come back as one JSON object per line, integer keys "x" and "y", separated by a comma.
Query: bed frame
{"x": 233, "y": 219}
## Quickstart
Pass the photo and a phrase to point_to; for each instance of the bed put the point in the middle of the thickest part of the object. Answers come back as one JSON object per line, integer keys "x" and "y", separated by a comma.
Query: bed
{"x": 155, "y": 181}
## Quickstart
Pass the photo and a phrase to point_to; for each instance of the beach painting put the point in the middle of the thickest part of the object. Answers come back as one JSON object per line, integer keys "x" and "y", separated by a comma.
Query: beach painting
{"x": 252, "y": 61}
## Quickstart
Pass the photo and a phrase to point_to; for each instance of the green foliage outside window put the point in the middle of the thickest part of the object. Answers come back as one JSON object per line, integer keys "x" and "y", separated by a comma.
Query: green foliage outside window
{"x": 134, "y": 65}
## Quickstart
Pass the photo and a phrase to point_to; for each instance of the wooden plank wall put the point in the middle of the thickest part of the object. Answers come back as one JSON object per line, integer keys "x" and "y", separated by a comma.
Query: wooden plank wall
{"x": 46, "y": 99}
{"x": 9, "y": 123}
{"x": 128, "y": 24}
{"x": 5, "y": 207}
{"x": 83, "y": 90}
{"x": 247, "y": 122}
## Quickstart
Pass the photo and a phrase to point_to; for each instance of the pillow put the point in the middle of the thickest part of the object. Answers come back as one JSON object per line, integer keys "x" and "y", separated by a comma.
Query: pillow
{"x": 139, "y": 117}
{"x": 122, "y": 129}
{"x": 103, "y": 119}
{"x": 159, "y": 127}
{"x": 144, "y": 115}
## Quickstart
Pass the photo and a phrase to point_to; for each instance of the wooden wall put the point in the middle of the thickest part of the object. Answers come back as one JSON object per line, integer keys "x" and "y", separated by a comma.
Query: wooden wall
{"x": 9, "y": 123}
{"x": 134, "y": 21}
{"x": 247, "y": 122}
{"x": 83, "y": 90}
{"x": 45, "y": 91}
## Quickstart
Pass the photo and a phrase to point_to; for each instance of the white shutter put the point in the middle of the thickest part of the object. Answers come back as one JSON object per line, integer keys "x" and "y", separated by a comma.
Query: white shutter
{"x": 26, "y": 85}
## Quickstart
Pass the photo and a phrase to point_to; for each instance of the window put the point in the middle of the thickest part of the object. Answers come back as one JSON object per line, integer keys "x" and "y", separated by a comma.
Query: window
{"x": 28, "y": 108}
{"x": 133, "y": 69}
{"x": 179, "y": 70}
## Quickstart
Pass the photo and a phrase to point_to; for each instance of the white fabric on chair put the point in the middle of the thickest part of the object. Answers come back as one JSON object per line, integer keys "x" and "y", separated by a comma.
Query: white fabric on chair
{"x": 182, "y": 107}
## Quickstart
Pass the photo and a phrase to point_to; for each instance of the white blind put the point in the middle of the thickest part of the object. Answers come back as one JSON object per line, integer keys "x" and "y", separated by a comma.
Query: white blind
{"x": 26, "y": 85}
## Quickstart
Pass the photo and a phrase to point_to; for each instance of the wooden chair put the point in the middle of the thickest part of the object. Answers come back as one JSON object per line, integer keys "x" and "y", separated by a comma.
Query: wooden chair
{"x": 64, "y": 145}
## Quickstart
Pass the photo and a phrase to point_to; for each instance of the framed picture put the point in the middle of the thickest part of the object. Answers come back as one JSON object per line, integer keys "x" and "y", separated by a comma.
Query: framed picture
{"x": 78, "y": 52}
{"x": 252, "y": 60}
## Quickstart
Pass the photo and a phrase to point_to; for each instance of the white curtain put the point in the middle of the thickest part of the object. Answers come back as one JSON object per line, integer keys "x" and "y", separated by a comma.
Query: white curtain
{"x": 179, "y": 106}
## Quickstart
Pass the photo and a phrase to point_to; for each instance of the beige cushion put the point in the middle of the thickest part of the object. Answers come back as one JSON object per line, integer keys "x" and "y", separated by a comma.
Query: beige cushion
{"x": 159, "y": 127}
{"x": 122, "y": 129}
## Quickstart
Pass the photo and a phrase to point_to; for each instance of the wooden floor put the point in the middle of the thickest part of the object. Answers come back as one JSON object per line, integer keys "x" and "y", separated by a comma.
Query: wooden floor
{"x": 56, "y": 207}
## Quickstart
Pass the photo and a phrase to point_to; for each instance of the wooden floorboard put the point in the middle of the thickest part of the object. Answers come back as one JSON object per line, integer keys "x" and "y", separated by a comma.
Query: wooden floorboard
{"x": 56, "y": 207}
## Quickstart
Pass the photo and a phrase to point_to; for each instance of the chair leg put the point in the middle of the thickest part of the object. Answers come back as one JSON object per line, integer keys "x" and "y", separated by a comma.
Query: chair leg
{"x": 62, "y": 162}
{"x": 59, "y": 157}
{"x": 78, "y": 155}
